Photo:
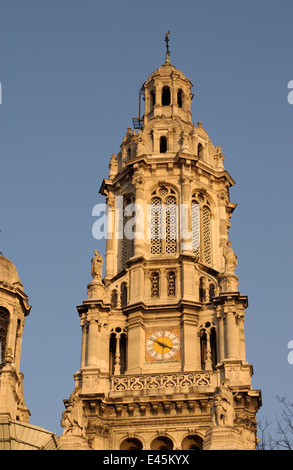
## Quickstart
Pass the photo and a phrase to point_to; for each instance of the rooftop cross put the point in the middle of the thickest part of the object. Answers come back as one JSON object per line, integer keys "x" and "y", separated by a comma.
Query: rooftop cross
{"x": 167, "y": 61}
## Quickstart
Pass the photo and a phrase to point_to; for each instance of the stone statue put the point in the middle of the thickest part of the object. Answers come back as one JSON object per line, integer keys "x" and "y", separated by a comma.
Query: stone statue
{"x": 113, "y": 166}
{"x": 185, "y": 143}
{"x": 230, "y": 258}
{"x": 97, "y": 266}
{"x": 222, "y": 410}
{"x": 73, "y": 418}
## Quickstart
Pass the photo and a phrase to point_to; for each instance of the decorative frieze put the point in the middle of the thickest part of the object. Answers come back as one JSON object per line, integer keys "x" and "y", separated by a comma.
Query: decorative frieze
{"x": 160, "y": 381}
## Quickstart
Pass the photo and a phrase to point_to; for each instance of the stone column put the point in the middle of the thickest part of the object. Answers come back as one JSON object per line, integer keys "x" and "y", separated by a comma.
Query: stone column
{"x": 84, "y": 325}
{"x": 117, "y": 355}
{"x": 92, "y": 342}
{"x": 109, "y": 256}
{"x": 18, "y": 343}
{"x": 10, "y": 338}
{"x": 189, "y": 345}
{"x": 224, "y": 224}
{"x": 240, "y": 322}
{"x": 136, "y": 344}
{"x": 208, "y": 361}
{"x": 139, "y": 237}
{"x": 232, "y": 339}
{"x": 220, "y": 338}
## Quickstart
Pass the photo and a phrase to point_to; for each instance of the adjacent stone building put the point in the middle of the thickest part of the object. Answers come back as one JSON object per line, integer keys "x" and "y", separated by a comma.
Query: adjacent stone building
{"x": 16, "y": 433}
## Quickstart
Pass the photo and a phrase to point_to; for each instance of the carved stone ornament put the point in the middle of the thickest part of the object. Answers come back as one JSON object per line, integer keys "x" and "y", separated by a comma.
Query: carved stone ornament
{"x": 230, "y": 259}
{"x": 222, "y": 409}
{"x": 97, "y": 266}
{"x": 113, "y": 166}
{"x": 73, "y": 419}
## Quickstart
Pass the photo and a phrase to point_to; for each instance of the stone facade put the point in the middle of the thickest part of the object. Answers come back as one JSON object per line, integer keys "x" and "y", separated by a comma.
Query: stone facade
{"x": 14, "y": 308}
{"x": 15, "y": 431}
{"x": 163, "y": 342}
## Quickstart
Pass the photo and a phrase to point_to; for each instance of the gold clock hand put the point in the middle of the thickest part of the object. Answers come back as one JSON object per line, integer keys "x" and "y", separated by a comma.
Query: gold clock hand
{"x": 163, "y": 344}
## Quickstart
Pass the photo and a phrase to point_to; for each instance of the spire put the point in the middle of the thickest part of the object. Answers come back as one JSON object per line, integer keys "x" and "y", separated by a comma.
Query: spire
{"x": 167, "y": 61}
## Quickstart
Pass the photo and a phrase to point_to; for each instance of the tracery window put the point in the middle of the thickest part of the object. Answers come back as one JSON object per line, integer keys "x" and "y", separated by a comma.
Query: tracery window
{"x": 127, "y": 248}
{"x": 171, "y": 284}
{"x": 163, "y": 221}
{"x": 201, "y": 228}
{"x": 155, "y": 284}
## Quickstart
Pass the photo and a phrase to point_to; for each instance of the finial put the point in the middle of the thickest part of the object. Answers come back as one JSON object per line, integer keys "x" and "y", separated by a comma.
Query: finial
{"x": 167, "y": 61}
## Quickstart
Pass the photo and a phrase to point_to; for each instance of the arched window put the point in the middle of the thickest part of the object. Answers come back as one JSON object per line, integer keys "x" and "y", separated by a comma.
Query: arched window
{"x": 153, "y": 98}
{"x": 166, "y": 96}
{"x": 201, "y": 228}
{"x": 123, "y": 294}
{"x": 202, "y": 289}
{"x": 207, "y": 236}
{"x": 131, "y": 444}
{"x": 171, "y": 225}
{"x": 208, "y": 346}
{"x": 207, "y": 290}
{"x": 163, "y": 221}
{"x": 180, "y": 98}
{"x": 156, "y": 226}
{"x": 162, "y": 443}
{"x": 200, "y": 150}
{"x": 117, "y": 351}
{"x": 211, "y": 291}
{"x": 163, "y": 144}
{"x": 4, "y": 322}
{"x": 192, "y": 443}
{"x": 127, "y": 248}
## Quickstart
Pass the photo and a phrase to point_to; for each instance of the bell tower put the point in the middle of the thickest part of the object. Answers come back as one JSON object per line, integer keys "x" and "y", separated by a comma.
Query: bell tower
{"x": 163, "y": 362}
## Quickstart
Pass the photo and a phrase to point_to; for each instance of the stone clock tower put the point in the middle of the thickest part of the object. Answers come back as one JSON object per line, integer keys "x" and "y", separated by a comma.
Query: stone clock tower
{"x": 163, "y": 362}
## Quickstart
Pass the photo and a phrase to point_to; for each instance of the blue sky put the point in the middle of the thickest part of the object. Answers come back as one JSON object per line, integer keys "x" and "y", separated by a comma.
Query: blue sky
{"x": 70, "y": 73}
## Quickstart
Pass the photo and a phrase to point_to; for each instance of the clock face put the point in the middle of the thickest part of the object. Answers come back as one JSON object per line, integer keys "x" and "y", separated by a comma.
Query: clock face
{"x": 162, "y": 345}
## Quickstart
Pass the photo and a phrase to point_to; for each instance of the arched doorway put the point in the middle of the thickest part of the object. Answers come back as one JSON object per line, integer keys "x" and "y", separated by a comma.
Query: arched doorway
{"x": 192, "y": 443}
{"x": 131, "y": 444}
{"x": 162, "y": 443}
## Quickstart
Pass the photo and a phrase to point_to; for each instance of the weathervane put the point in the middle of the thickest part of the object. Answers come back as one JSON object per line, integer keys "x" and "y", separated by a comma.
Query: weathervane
{"x": 167, "y": 61}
